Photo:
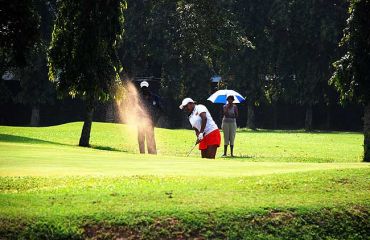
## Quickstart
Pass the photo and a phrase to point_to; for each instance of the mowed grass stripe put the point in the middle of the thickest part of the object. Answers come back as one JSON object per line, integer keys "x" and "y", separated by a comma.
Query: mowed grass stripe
{"x": 290, "y": 182}
{"x": 262, "y": 145}
{"x": 55, "y": 160}
{"x": 114, "y": 197}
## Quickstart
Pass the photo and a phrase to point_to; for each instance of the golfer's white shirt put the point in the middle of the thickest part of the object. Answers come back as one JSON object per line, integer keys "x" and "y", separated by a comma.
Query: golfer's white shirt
{"x": 196, "y": 121}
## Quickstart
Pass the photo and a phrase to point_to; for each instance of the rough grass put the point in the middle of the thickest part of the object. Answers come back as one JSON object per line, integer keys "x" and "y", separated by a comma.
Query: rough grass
{"x": 282, "y": 185}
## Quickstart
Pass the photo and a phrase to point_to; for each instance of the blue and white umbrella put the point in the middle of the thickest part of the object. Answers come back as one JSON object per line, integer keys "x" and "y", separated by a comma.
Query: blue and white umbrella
{"x": 220, "y": 96}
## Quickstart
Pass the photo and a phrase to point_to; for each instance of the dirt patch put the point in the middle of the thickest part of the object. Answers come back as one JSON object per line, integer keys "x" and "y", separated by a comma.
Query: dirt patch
{"x": 274, "y": 218}
{"x": 109, "y": 232}
{"x": 167, "y": 228}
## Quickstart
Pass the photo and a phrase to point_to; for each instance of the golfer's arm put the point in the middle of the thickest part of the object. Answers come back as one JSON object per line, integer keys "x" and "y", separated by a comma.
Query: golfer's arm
{"x": 204, "y": 121}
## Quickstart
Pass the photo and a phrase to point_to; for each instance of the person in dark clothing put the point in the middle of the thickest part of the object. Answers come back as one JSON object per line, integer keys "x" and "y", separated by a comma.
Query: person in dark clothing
{"x": 149, "y": 113}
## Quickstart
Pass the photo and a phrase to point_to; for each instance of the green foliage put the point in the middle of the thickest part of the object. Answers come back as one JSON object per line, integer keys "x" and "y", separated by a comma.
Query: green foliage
{"x": 19, "y": 31}
{"x": 184, "y": 42}
{"x": 352, "y": 74}
{"x": 36, "y": 87}
{"x": 5, "y": 95}
{"x": 305, "y": 36}
{"x": 82, "y": 56}
{"x": 249, "y": 65}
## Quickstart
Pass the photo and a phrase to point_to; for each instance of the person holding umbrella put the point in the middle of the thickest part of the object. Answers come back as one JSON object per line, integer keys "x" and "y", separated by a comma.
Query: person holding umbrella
{"x": 208, "y": 135}
{"x": 230, "y": 113}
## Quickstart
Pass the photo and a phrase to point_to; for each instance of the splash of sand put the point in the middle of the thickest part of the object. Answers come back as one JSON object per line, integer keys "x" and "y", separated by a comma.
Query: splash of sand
{"x": 131, "y": 110}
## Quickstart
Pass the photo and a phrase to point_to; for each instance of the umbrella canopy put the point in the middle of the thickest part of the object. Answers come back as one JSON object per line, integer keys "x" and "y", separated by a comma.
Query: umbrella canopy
{"x": 220, "y": 96}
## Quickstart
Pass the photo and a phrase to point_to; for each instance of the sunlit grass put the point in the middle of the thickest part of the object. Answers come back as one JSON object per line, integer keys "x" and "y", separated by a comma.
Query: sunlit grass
{"x": 288, "y": 146}
{"x": 47, "y": 179}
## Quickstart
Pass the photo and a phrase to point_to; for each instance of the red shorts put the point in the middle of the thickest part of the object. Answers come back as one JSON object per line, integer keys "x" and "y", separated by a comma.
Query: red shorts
{"x": 212, "y": 138}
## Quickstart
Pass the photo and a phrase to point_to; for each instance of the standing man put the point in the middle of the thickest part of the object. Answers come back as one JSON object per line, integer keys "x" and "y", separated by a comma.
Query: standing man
{"x": 149, "y": 114}
{"x": 208, "y": 135}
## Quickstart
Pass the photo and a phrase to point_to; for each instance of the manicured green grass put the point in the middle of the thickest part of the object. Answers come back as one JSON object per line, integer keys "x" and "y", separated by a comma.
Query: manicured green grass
{"x": 266, "y": 146}
{"x": 282, "y": 184}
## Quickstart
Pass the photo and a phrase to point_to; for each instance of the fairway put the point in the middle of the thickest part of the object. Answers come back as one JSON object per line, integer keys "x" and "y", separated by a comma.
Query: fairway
{"x": 20, "y": 159}
{"x": 45, "y": 178}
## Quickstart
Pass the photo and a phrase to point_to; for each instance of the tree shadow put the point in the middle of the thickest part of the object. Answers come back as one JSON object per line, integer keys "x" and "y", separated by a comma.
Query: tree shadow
{"x": 238, "y": 157}
{"x": 284, "y": 131}
{"x": 106, "y": 148}
{"x": 21, "y": 139}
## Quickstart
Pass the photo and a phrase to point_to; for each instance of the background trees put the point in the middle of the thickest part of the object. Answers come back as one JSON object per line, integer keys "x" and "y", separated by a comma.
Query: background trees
{"x": 19, "y": 31}
{"x": 36, "y": 89}
{"x": 352, "y": 73}
{"x": 82, "y": 56}
{"x": 277, "y": 53}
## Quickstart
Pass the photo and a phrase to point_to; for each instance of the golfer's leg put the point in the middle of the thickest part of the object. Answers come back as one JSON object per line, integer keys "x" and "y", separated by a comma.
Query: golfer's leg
{"x": 150, "y": 140}
{"x": 211, "y": 151}
{"x": 141, "y": 139}
{"x": 204, "y": 153}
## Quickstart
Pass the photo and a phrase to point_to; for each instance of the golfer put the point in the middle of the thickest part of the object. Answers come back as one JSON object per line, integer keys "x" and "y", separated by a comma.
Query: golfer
{"x": 230, "y": 112}
{"x": 208, "y": 135}
{"x": 148, "y": 113}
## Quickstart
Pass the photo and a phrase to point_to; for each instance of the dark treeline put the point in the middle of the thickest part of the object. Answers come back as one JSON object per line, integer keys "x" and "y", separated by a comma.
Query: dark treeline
{"x": 278, "y": 54}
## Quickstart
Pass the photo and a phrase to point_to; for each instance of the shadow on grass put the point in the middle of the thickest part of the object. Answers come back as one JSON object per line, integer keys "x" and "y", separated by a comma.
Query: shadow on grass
{"x": 106, "y": 148}
{"x": 239, "y": 157}
{"x": 283, "y": 131}
{"x": 21, "y": 139}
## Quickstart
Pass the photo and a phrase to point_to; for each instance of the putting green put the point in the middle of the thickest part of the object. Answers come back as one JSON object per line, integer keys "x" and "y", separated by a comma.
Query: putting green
{"x": 24, "y": 159}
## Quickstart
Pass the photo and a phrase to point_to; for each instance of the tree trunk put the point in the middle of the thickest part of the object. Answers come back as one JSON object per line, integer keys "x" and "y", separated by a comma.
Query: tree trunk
{"x": 275, "y": 116}
{"x": 367, "y": 133}
{"x": 328, "y": 119}
{"x": 251, "y": 117}
{"x": 109, "y": 115}
{"x": 308, "y": 121}
{"x": 35, "y": 116}
{"x": 86, "y": 129}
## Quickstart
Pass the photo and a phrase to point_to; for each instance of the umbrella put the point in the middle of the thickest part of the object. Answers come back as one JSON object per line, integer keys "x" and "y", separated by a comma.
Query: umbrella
{"x": 220, "y": 96}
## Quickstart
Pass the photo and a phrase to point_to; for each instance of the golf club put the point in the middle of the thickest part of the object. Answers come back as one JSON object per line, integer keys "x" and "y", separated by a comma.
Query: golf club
{"x": 191, "y": 150}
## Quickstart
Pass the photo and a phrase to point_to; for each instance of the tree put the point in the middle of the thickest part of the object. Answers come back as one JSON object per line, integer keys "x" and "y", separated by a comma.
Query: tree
{"x": 19, "y": 31}
{"x": 315, "y": 31}
{"x": 352, "y": 73}
{"x": 251, "y": 64}
{"x": 304, "y": 37}
{"x": 182, "y": 42}
{"x": 83, "y": 57}
{"x": 36, "y": 89}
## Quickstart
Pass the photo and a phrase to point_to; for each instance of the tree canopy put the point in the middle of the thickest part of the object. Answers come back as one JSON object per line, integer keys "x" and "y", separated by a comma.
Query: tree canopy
{"x": 82, "y": 56}
{"x": 352, "y": 73}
